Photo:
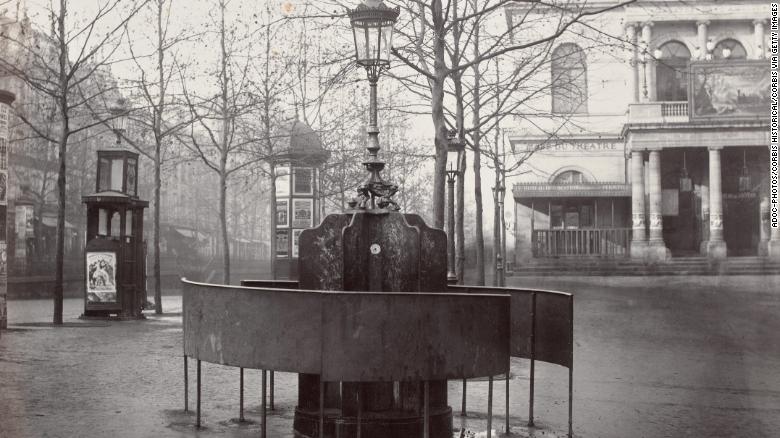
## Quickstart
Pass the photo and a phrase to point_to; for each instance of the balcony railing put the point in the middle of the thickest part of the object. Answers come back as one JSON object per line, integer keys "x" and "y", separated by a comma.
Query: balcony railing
{"x": 658, "y": 112}
{"x": 598, "y": 242}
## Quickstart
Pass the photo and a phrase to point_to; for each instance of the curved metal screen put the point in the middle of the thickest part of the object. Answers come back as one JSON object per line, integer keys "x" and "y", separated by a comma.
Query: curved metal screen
{"x": 348, "y": 336}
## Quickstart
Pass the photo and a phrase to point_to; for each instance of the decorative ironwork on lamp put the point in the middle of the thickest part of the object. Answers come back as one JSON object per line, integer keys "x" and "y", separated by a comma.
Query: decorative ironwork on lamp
{"x": 372, "y": 28}
{"x": 686, "y": 185}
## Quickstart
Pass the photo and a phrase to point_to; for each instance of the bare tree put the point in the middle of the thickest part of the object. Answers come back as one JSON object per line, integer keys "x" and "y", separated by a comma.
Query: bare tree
{"x": 62, "y": 66}
{"x": 156, "y": 112}
{"x": 215, "y": 134}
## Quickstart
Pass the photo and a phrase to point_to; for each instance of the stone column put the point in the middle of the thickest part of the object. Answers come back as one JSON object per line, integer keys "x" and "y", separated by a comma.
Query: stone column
{"x": 716, "y": 247}
{"x": 701, "y": 37}
{"x": 638, "y": 236}
{"x": 656, "y": 247}
{"x": 633, "y": 61}
{"x": 758, "y": 38}
{"x": 648, "y": 79}
{"x": 705, "y": 215}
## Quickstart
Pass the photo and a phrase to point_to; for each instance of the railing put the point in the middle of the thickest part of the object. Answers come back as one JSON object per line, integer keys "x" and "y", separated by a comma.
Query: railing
{"x": 606, "y": 242}
{"x": 658, "y": 112}
{"x": 674, "y": 109}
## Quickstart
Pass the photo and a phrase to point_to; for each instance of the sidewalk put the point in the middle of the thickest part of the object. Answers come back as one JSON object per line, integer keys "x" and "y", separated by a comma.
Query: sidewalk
{"x": 659, "y": 357}
{"x": 125, "y": 379}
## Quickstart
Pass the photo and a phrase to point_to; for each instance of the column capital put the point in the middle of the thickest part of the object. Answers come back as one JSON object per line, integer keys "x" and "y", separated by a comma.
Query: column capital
{"x": 630, "y": 26}
{"x": 647, "y": 24}
{"x": 654, "y": 148}
{"x": 759, "y": 22}
{"x": 702, "y": 22}
{"x": 714, "y": 147}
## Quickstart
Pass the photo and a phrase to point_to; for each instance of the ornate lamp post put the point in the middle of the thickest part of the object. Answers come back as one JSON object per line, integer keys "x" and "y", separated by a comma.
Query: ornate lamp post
{"x": 498, "y": 194}
{"x": 372, "y": 28}
{"x": 454, "y": 153}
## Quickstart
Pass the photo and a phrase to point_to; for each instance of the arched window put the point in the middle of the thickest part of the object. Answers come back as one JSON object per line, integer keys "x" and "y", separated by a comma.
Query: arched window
{"x": 569, "y": 177}
{"x": 569, "y": 80}
{"x": 729, "y": 49}
{"x": 671, "y": 75}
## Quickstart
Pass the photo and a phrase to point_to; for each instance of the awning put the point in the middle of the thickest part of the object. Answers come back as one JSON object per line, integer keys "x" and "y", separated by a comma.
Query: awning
{"x": 190, "y": 234}
{"x": 49, "y": 221}
{"x": 579, "y": 190}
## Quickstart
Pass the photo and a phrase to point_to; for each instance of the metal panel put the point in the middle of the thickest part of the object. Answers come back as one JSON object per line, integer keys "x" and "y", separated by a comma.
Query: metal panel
{"x": 381, "y": 253}
{"x": 552, "y": 338}
{"x": 320, "y": 263}
{"x": 554, "y": 322}
{"x": 433, "y": 266}
{"x": 253, "y": 328}
{"x": 386, "y": 336}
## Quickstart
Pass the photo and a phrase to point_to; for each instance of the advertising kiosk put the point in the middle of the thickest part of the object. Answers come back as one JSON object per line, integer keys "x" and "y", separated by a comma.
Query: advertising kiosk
{"x": 114, "y": 259}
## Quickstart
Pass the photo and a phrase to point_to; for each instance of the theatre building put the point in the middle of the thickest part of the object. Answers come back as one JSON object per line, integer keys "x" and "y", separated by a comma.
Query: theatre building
{"x": 662, "y": 147}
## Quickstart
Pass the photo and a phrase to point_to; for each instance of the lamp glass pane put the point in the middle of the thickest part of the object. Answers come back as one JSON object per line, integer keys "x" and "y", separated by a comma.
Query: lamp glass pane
{"x": 372, "y": 37}
{"x": 452, "y": 158}
{"x": 119, "y": 122}
{"x": 387, "y": 41}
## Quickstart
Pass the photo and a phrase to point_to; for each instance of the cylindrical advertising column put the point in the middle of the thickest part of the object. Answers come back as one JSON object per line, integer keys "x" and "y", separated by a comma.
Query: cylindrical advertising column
{"x": 6, "y": 98}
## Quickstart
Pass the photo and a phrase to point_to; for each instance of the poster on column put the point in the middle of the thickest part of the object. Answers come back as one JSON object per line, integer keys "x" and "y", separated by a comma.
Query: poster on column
{"x": 101, "y": 277}
{"x": 302, "y": 213}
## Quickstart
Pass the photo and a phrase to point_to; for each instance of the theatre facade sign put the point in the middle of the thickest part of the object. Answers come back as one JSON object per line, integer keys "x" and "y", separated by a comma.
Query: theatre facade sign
{"x": 572, "y": 145}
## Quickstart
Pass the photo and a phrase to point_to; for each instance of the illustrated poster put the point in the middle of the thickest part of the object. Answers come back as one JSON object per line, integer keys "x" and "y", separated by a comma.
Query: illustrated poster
{"x": 101, "y": 277}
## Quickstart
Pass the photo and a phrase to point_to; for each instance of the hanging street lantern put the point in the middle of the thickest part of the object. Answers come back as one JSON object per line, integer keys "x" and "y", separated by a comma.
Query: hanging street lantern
{"x": 119, "y": 119}
{"x": 686, "y": 185}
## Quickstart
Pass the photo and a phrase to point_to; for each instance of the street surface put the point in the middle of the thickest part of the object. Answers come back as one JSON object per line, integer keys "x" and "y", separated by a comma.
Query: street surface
{"x": 654, "y": 357}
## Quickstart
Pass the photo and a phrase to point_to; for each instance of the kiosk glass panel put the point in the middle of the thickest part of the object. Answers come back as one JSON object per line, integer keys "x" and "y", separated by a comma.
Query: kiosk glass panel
{"x": 117, "y": 167}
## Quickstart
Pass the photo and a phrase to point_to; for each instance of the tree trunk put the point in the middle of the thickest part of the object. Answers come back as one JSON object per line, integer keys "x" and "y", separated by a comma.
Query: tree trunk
{"x": 477, "y": 139}
{"x": 61, "y": 188}
{"x": 223, "y": 226}
{"x": 156, "y": 243}
{"x": 60, "y": 251}
{"x": 272, "y": 233}
{"x": 437, "y": 114}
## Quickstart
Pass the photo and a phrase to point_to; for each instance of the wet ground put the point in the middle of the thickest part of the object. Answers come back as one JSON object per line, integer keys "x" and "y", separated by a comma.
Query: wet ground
{"x": 654, "y": 357}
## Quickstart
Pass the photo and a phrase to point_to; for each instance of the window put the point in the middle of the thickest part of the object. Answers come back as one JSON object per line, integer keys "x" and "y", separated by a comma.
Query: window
{"x": 569, "y": 177}
{"x": 569, "y": 80}
{"x": 672, "y": 72}
{"x": 729, "y": 49}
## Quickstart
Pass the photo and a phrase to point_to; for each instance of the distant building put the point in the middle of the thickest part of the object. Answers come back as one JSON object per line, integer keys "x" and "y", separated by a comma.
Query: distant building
{"x": 661, "y": 145}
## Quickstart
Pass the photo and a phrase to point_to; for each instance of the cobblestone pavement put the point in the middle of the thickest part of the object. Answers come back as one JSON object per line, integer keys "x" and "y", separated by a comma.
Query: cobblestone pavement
{"x": 654, "y": 357}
